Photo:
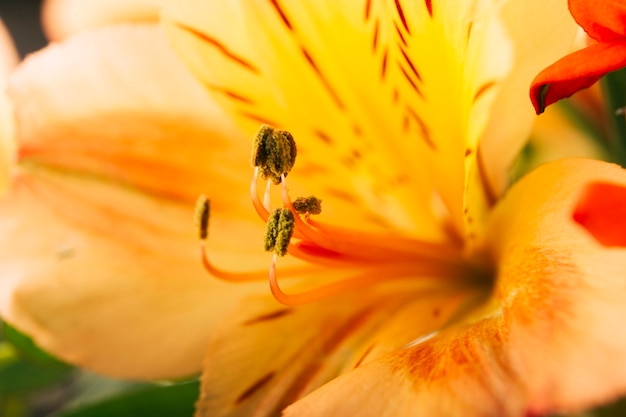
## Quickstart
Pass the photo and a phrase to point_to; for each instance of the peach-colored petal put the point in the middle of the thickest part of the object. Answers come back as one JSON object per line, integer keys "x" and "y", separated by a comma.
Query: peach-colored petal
{"x": 64, "y": 18}
{"x": 563, "y": 291}
{"x": 510, "y": 119}
{"x": 97, "y": 105}
{"x": 266, "y": 355}
{"x": 99, "y": 253}
{"x": 548, "y": 340}
{"x": 108, "y": 278}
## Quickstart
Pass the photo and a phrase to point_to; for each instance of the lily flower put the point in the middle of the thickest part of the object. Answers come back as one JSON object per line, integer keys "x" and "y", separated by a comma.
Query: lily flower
{"x": 604, "y": 22}
{"x": 425, "y": 291}
{"x": 420, "y": 287}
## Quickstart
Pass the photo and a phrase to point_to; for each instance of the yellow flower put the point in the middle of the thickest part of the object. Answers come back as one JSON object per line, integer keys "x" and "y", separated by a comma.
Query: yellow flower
{"x": 420, "y": 289}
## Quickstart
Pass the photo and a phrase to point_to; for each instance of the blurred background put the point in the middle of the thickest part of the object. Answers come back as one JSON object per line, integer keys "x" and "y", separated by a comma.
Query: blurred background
{"x": 22, "y": 18}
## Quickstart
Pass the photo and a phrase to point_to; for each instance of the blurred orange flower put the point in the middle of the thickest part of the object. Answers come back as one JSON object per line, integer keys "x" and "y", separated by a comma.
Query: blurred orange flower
{"x": 605, "y": 23}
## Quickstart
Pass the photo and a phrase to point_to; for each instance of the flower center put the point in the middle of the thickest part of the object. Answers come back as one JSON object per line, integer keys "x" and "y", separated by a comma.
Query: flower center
{"x": 357, "y": 258}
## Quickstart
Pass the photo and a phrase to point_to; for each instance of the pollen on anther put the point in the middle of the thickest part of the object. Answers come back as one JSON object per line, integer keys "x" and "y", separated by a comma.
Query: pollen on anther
{"x": 308, "y": 205}
{"x": 202, "y": 213}
{"x": 278, "y": 231}
{"x": 273, "y": 152}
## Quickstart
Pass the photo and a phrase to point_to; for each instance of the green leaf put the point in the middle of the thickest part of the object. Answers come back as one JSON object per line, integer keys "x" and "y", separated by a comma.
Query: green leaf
{"x": 21, "y": 378}
{"x": 28, "y": 351}
{"x": 154, "y": 401}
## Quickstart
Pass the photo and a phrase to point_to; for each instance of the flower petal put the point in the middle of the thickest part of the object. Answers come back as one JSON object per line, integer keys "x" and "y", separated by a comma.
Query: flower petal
{"x": 64, "y": 18}
{"x": 576, "y": 71}
{"x": 167, "y": 138}
{"x": 109, "y": 278}
{"x": 545, "y": 343}
{"x": 602, "y": 20}
{"x": 265, "y": 355}
{"x": 328, "y": 75}
{"x": 99, "y": 254}
{"x": 510, "y": 120}
{"x": 563, "y": 291}
{"x": 392, "y": 70}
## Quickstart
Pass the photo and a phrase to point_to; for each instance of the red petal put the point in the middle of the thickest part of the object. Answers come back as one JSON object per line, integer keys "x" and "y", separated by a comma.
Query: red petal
{"x": 576, "y": 71}
{"x": 603, "y": 20}
{"x": 602, "y": 211}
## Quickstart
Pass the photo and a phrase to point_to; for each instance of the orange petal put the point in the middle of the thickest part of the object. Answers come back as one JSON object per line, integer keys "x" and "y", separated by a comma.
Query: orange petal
{"x": 602, "y": 211}
{"x": 266, "y": 355}
{"x": 547, "y": 341}
{"x": 602, "y": 20}
{"x": 576, "y": 71}
{"x": 64, "y": 18}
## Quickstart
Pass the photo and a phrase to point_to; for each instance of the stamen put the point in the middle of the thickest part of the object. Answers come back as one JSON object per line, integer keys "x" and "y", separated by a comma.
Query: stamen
{"x": 370, "y": 247}
{"x": 278, "y": 231}
{"x": 202, "y": 212}
{"x": 308, "y": 205}
{"x": 267, "y": 196}
{"x": 260, "y": 208}
{"x": 274, "y": 153}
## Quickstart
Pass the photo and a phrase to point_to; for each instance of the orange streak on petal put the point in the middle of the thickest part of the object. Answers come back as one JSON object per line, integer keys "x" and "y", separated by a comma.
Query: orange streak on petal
{"x": 602, "y": 211}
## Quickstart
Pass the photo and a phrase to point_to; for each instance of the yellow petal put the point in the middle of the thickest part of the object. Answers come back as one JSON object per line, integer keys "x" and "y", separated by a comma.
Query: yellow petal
{"x": 394, "y": 94}
{"x": 64, "y": 18}
{"x": 315, "y": 68}
{"x": 265, "y": 355}
{"x": 547, "y": 341}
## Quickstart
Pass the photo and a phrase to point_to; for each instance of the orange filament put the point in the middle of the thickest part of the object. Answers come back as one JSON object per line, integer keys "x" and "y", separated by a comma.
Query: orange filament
{"x": 260, "y": 275}
{"x": 359, "y": 280}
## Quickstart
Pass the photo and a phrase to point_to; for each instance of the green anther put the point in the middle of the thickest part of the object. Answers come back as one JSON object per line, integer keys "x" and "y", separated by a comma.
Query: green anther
{"x": 203, "y": 210}
{"x": 278, "y": 231}
{"x": 273, "y": 152}
{"x": 308, "y": 205}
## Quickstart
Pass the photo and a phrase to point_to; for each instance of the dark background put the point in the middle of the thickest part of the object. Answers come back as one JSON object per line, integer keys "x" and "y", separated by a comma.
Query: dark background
{"x": 22, "y": 19}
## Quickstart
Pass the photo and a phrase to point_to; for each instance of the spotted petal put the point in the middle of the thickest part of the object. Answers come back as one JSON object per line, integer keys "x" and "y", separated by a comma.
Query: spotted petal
{"x": 266, "y": 355}
{"x": 547, "y": 341}
{"x": 394, "y": 94}
{"x": 99, "y": 256}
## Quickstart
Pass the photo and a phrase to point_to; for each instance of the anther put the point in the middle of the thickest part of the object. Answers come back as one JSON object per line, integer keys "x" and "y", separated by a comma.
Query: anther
{"x": 307, "y": 205}
{"x": 278, "y": 231}
{"x": 203, "y": 210}
{"x": 273, "y": 152}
